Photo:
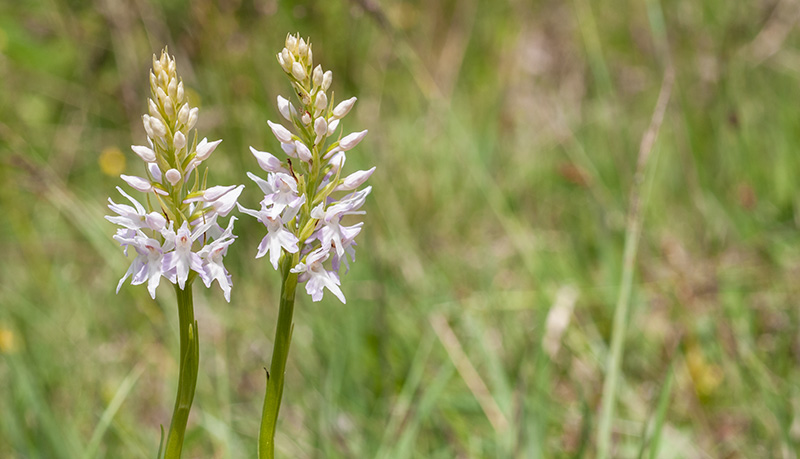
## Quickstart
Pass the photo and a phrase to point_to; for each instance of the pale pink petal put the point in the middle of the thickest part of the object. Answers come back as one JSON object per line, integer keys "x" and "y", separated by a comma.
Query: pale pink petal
{"x": 147, "y": 154}
{"x": 267, "y": 161}
{"x": 351, "y": 140}
{"x": 205, "y": 148}
{"x": 281, "y": 133}
{"x": 343, "y": 108}
{"x": 137, "y": 183}
{"x": 355, "y": 180}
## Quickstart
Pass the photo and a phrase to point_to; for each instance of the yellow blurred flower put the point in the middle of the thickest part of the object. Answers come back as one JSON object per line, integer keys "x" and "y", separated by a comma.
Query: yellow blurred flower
{"x": 8, "y": 343}
{"x": 112, "y": 161}
{"x": 706, "y": 376}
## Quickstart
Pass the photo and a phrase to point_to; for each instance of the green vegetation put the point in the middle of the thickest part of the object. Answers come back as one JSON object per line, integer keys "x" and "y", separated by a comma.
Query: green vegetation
{"x": 506, "y": 136}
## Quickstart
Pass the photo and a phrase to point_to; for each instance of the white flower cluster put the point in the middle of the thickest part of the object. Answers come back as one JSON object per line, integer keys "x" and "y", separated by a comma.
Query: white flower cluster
{"x": 299, "y": 209}
{"x": 174, "y": 187}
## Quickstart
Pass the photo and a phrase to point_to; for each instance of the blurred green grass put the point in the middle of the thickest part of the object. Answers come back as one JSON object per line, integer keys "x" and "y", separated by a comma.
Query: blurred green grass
{"x": 506, "y": 136}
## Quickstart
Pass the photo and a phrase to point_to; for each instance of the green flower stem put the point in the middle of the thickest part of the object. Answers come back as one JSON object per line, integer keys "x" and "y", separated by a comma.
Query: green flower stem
{"x": 190, "y": 357}
{"x": 280, "y": 352}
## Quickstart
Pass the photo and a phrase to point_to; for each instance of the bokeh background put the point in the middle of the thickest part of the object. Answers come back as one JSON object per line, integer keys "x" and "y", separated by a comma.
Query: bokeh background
{"x": 506, "y": 135}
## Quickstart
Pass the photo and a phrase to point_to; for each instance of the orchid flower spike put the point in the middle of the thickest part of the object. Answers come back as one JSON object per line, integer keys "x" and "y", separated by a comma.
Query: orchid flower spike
{"x": 302, "y": 209}
{"x": 176, "y": 236}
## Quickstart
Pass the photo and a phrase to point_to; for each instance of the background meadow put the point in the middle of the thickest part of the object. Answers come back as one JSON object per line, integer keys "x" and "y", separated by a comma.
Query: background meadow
{"x": 506, "y": 136}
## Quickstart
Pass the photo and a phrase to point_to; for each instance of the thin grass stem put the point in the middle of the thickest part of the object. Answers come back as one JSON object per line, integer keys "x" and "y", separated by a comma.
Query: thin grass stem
{"x": 632, "y": 234}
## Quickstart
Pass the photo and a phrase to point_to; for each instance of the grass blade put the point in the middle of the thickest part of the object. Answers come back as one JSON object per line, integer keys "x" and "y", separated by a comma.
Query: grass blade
{"x": 108, "y": 415}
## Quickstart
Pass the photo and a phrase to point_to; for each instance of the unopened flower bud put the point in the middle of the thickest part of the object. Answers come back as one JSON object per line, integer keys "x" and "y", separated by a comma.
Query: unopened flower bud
{"x": 172, "y": 89}
{"x": 316, "y": 76}
{"x": 355, "y": 180}
{"x": 343, "y": 108}
{"x": 173, "y": 176}
{"x": 155, "y": 172}
{"x": 321, "y": 129}
{"x": 288, "y": 59}
{"x": 267, "y": 161}
{"x": 171, "y": 65}
{"x": 290, "y": 149}
{"x": 169, "y": 110}
{"x": 306, "y": 118}
{"x": 183, "y": 114}
{"x": 156, "y": 65}
{"x": 163, "y": 99}
{"x": 158, "y": 127}
{"x": 147, "y": 128}
{"x": 298, "y": 71}
{"x": 281, "y": 133}
{"x": 151, "y": 105}
{"x": 302, "y": 47}
{"x": 141, "y": 184}
{"x": 309, "y": 57}
{"x": 192, "y": 118}
{"x": 284, "y": 65}
{"x": 321, "y": 102}
{"x": 216, "y": 192}
{"x": 285, "y": 107}
{"x": 331, "y": 152}
{"x": 327, "y": 79}
{"x": 337, "y": 161}
{"x": 179, "y": 93}
{"x": 153, "y": 81}
{"x": 205, "y": 148}
{"x": 222, "y": 198}
{"x": 163, "y": 79}
{"x": 291, "y": 43}
{"x": 179, "y": 141}
{"x": 351, "y": 140}
{"x": 147, "y": 154}
{"x": 332, "y": 125}
{"x": 302, "y": 151}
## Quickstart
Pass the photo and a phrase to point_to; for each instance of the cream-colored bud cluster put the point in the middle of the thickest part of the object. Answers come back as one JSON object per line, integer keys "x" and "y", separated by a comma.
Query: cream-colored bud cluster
{"x": 311, "y": 83}
{"x": 316, "y": 120}
{"x": 168, "y": 123}
{"x": 170, "y": 116}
